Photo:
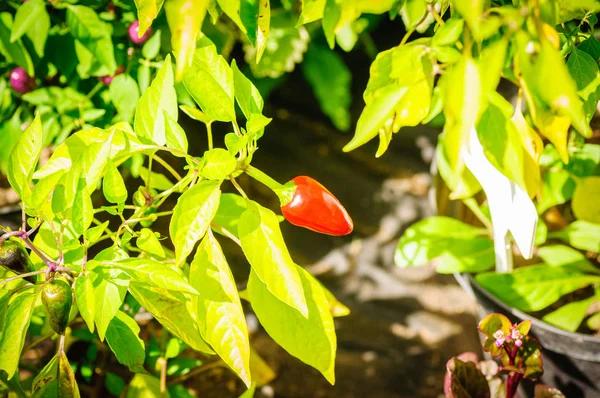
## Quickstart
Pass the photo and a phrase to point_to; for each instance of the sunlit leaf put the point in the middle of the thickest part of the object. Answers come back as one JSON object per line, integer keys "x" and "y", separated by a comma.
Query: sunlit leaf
{"x": 221, "y": 317}
{"x": 192, "y": 215}
{"x": 294, "y": 332}
{"x": 263, "y": 245}
{"x": 122, "y": 338}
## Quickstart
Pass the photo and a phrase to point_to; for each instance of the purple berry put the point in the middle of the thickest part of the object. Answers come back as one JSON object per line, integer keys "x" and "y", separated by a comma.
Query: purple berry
{"x": 133, "y": 32}
{"x": 108, "y": 79}
{"x": 21, "y": 81}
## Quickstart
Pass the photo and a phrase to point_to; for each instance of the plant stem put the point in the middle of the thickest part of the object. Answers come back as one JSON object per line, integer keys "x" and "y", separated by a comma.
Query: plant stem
{"x": 163, "y": 377}
{"x": 512, "y": 383}
{"x": 209, "y": 135}
{"x": 264, "y": 178}
{"x": 167, "y": 166}
{"x": 227, "y": 233}
{"x": 471, "y": 203}
{"x": 93, "y": 92}
{"x": 238, "y": 187}
{"x": 149, "y": 171}
{"x": 435, "y": 14}
{"x": 61, "y": 344}
{"x": 413, "y": 29}
{"x": 12, "y": 278}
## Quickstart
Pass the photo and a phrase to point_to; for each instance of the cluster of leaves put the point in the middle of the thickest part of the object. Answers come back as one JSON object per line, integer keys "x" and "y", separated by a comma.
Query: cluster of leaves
{"x": 543, "y": 143}
{"x": 197, "y": 303}
{"x": 519, "y": 355}
{"x": 89, "y": 71}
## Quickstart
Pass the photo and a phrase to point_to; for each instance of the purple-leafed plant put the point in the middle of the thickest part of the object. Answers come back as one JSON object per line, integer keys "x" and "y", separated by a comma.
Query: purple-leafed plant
{"x": 518, "y": 357}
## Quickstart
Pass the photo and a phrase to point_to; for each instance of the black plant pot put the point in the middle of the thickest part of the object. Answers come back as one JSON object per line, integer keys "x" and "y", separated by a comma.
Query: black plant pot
{"x": 571, "y": 360}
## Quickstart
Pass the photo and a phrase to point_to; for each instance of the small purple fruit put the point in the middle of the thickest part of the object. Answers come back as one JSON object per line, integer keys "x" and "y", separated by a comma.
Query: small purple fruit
{"x": 108, "y": 79}
{"x": 133, "y": 32}
{"x": 21, "y": 81}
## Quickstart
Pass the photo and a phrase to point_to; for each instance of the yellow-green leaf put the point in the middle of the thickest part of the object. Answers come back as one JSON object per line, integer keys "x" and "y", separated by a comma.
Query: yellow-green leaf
{"x": 220, "y": 314}
{"x": 311, "y": 339}
{"x": 185, "y": 19}
{"x": 265, "y": 249}
{"x": 585, "y": 199}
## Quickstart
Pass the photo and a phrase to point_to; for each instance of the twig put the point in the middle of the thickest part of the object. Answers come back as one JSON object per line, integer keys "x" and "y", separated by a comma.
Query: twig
{"x": 13, "y": 278}
{"x": 167, "y": 166}
{"x": 238, "y": 187}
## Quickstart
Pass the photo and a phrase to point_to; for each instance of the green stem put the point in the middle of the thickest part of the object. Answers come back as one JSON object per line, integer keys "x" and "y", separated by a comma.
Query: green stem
{"x": 95, "y": 90}
{"x": 238, "y": 187}
{"x": 413, "y": 29}
{"x": 264, "y": 178}
{"x": 209, "y": 135}
{"x": 149, "y": 171}
{"x": 471, "y": 203}
{"x": 167, "y": 166}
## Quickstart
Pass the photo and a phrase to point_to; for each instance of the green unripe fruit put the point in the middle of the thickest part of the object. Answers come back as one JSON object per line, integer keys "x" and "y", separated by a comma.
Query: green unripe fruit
{"x": 14, "y": 257}
{"x": 57, "y": 299}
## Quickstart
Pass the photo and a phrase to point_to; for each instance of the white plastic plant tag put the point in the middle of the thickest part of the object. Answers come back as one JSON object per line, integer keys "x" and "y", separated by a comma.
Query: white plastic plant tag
{"x": 511, "y": 208}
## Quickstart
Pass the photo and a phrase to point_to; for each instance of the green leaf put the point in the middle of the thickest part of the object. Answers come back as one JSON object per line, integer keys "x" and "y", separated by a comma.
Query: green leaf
{"x": 256, "y": 125}
{"x": 196, "y": 114}
{"x": 472, "y": 11}
{"x": 94, "y": 34}
{"x": 192, "y": 216}
{"x": 109, "y": 290}
{"x": 312, "y": 10}
{"x": 246, "y": 95}
{"x": 461, "y": 247}
{"x": 449, "y": 33}
{"x": 148, "y": 242}
{"x": 28, "y": 14}
{"x": 583, "y": 68}
{"x": 381, "y": 109}
{"x": 24, "y": 158}
{"x": 160, "y": 97}
{"x": 256, "y": 18}
{"x": 56, "y": 379}
{"x": 501, "y": 141}
{"x": 113, "y": 186}
{"x": 220, "y": 314}
{"x": 175, "y": 136}
{"x": 565, "y": 256}
{"x": 93, "y": 234}
{"x": 16, "y": 322}
{"x": 122, "y": 338}
{"x": 557, "y": 188}
{"x": 231, "y": 8}
{"x": 219, "y": 164}
{"x": 124, "y": 94}
{"x": 462, "y": 186}
{"x": 185, "y": 19}
{"x": 283, "y": 49}
{"x": 86, "y": 299}
{"x": 534, "y": 287}
{"x": 462, "y": 105}
{"x": 83, "y": 209}
{"x": 209, "y": 80}
{"x": 13, "y": 52}
{"x": 330, "y": 79}
{"x": 293, "y": 331}
{"x": 147, "y": 271}
{"x": 144, "y": 386}
{"x": 569, "y": 316}
{"x": 581, "y": 235}
{"x": 561, "y": 97}
{"x": 231, "y": 208}
{"x": 585, "y": 199}
{"x": 174, "y": 311}
{"x": 268, "y": 255}
{"x": 63, "y": 99}
{"x": 147, "y": 12}
{"x": 591, "y": 46}
{"x": 151, "y": 48}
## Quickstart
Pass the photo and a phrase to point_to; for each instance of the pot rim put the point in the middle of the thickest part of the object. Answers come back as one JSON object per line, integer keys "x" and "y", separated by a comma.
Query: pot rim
{"x": 466, "y": 278}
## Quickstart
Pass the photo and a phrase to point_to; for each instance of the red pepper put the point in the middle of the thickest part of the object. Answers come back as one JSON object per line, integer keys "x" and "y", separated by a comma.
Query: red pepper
{"x": 312, "y": 206}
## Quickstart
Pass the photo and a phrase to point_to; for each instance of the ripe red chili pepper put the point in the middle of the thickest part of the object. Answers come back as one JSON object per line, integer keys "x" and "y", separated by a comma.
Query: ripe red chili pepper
{"x": 312, "y": 206}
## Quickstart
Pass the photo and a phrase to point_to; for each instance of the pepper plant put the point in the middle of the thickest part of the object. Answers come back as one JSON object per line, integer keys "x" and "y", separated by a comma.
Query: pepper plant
{"x": 534, "y": 153}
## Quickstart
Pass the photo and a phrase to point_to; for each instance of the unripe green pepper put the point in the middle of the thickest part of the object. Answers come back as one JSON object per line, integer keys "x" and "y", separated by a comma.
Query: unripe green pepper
{"x": 57, "y": 298}
{"x": 14, "y": 257}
